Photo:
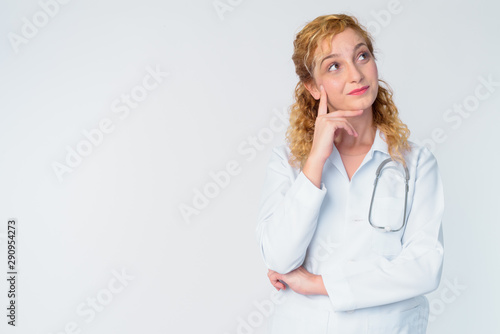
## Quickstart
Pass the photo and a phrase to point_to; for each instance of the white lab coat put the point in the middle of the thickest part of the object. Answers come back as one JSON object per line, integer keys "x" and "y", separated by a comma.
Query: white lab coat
{"x": 375, "y": 280}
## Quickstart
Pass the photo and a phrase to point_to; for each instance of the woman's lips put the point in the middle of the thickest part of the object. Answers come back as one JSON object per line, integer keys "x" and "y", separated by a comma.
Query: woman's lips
{"x": 359, "y": 91}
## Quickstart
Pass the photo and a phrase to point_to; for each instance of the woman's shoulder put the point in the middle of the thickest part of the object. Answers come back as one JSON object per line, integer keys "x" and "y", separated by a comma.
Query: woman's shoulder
{"x": 419, "y": 155}
{"x": 281, "y": 153}
{"x": 281, "y": 150}
{"x": 280, "y": 159}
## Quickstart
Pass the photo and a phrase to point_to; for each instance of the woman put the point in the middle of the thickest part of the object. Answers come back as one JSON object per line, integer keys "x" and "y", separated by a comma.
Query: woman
{"x": 347, "y": 259}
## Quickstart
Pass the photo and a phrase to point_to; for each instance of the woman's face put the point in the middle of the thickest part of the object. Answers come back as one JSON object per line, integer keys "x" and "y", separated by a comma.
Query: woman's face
{"x": 348, "y": 66}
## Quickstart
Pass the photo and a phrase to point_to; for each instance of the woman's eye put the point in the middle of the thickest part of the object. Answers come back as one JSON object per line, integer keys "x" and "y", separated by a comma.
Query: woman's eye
{"x": 364, "y": 55}
{"x": 333, "y": 66}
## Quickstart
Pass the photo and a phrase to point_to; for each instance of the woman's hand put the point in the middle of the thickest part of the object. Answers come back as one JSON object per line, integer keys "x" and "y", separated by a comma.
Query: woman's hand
{"x": 325, "y": 131}
{"x": 299, "y": 280}
{"x": 326, "y": 126}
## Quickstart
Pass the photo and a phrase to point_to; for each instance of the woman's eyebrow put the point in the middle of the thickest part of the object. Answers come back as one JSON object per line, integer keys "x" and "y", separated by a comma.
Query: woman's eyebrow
{"x": 333, "y": 55}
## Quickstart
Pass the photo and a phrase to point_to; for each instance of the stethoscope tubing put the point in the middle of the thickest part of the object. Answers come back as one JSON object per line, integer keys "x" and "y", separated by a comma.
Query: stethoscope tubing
{"x": 378, "y": 173}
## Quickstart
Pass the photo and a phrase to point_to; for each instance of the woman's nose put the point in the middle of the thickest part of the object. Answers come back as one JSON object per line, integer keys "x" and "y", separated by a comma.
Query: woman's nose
{"x": 355, "y": 75}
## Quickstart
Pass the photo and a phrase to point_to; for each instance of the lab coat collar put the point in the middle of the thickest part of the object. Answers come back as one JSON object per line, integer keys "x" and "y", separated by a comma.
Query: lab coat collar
{"x": 379, "y": 144}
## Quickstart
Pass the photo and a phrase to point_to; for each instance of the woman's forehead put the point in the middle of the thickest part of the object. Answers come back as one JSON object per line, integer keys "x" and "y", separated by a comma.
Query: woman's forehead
{"x": 325, "y": 45}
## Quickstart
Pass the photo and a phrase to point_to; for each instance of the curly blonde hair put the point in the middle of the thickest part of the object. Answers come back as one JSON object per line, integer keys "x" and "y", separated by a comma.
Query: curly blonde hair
{"x": 304, "y": 111}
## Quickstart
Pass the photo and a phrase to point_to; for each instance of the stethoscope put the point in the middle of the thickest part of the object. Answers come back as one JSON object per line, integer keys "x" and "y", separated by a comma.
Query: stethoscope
{"x": 378, "y": 173}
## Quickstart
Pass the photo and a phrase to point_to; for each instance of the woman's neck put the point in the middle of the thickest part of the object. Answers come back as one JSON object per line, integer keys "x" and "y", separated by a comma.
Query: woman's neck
{"x": 366, "y": 131}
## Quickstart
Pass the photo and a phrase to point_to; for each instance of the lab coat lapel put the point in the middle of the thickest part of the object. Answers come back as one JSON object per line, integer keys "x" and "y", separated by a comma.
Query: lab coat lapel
{"x": 336, "y": 160}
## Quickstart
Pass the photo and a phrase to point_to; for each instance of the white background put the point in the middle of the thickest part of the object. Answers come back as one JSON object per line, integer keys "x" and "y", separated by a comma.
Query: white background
{"x": 229, "y": 73}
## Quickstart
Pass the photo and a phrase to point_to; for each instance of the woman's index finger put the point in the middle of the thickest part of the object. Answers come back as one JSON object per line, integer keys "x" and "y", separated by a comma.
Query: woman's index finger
{"x": 322, "y": 108}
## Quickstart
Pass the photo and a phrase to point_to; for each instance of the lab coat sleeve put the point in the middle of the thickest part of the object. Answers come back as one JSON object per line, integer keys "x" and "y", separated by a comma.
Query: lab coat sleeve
{"x": 418, "y": 267}
{"x": 288, "y": 214}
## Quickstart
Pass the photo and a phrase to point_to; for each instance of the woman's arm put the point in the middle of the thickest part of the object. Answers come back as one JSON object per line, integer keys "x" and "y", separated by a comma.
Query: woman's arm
{"x": 290, "y": 205}
{"x": 288, "y": 214}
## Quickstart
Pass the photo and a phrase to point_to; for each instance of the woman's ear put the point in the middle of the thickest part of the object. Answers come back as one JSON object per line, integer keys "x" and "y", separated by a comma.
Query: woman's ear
{"x": 311, "y": 87}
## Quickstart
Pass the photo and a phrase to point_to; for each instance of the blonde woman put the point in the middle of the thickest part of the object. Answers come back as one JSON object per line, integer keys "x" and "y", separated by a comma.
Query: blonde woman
{"x": 348, "y": 254}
